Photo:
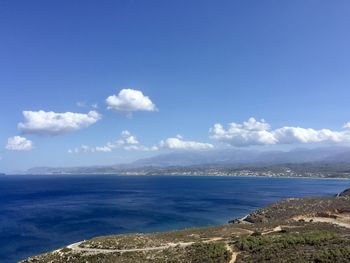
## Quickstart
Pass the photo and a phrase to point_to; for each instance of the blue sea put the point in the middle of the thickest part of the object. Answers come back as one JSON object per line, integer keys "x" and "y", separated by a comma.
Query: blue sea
{"x": 42, "y": 213}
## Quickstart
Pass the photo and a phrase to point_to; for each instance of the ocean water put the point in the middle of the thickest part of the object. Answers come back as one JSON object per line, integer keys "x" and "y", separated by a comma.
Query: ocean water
{"x": 41, "y": 213}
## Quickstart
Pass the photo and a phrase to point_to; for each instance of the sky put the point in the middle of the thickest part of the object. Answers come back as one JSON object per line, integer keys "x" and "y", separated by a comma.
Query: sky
{"x": 107, "y": 82}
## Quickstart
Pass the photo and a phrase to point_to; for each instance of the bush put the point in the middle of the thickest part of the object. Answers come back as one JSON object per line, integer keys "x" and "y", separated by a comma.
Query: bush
{"x": 315, "y": 246}
{"x": 66, "y": 249}
{"x": 208, "y": 253}
{"x": 283, "y": 241}
{"x": 256, "y": 234}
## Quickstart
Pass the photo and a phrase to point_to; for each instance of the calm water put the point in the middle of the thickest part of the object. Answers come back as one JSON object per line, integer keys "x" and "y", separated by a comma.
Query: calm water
{"x": 40, "y": 213}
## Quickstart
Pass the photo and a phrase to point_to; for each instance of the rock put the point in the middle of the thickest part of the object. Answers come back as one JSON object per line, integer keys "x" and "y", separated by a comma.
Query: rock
{"x": 346, "y": 192}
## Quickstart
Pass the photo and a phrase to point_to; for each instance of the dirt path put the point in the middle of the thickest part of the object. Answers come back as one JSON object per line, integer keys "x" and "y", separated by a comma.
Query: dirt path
{"x": 276, "y": 229}
{"x": 340, "y": 221}
{"x": 76, "y": 247}
{"x": 234, "y": 254}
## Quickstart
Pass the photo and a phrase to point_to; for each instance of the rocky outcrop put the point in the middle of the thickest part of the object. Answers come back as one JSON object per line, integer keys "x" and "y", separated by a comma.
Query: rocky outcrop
{"x": 346, "y": 192}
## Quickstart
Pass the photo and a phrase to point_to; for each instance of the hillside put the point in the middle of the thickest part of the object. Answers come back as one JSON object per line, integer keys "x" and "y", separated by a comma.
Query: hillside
{"x": 330, "y": 162}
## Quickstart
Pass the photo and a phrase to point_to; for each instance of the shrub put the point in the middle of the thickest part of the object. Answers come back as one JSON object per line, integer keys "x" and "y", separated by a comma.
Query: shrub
{"x": 256, "y": 234}
{"x": 208, "y": 253}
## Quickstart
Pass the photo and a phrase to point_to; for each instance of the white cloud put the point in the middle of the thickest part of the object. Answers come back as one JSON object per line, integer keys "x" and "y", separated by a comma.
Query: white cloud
{"x": 179, "y": 136}
{"x": 130, "y": 100}
{"x": 177, "y": 143}
{"x": 85, "y": 148}
{"x": 292, "y": 135}
{"x": 141, "y": 148}
{"x": 125, "y": 134}
{"x": 346, "y": 125}
{"x": 253, "y": 132}
{"x": 18, "y": 143}
{"x": 128, "y": 142}
{"x": 84, "y": 104}
{"x": 131, "y": 140}
{"x": 52, "y": 123}
{"x": 103, "y": 149}
{"x": 81, "y": 104}
{"x": 75, "y": 150}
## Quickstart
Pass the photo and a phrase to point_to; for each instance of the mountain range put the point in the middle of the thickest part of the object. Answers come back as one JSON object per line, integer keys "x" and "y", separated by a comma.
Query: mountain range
{"x": 216, "y": 158}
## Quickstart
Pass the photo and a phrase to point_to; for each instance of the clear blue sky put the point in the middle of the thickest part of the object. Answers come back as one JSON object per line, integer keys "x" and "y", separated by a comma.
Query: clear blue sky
{"x": 199, "y": 62}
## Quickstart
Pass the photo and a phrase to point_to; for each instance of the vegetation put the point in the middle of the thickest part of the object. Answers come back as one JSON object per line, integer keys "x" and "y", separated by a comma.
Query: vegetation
{"x": 314, "y": 246}
{"x": 253, "y": 242}
{"x": 131, "y": 241}
{"x": 208, "y": 252}
{"x": 196, "y": 253}
{"x": 290, "y": 208}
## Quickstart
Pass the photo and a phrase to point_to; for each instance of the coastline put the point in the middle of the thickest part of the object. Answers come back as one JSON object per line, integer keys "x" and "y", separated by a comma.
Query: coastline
{"x": 179, "y": 175}
{"x": 318, "y": 227}
{"x": 188, "y": 202}
{"x": 240, "y": 220}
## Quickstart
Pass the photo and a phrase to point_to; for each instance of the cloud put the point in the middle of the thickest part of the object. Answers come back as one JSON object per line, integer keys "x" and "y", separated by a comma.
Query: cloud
{"x": 346, "y": 125}
{"x": 130, "y": 100}
{"x": 141, "y": 148}
{"x": 84, "y": 104}
{"x": 129, "y": 138}
{"x": 292, "y": 135}
{"x": 253, "y": 132}
{"x": 81, "y": 104}
{"x": 125, "y": 133}
{"x": 127, "y": 142}
{"x": 103, "y": 149}
{"x": 52, "y": 123}
{"x": 177, "y": 143}
{"x": 18, "y": 143}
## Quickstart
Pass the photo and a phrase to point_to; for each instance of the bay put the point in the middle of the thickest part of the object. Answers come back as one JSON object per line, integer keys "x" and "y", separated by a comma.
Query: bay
{"x": 42, "y": 213}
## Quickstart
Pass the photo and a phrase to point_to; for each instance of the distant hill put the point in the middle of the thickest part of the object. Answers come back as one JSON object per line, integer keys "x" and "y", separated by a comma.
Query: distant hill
{"x": 233, "y": 156}
{"x": 327, "y": 162}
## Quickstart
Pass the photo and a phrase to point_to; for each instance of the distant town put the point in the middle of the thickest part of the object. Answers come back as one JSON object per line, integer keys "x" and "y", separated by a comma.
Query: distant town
{"x": 314, "y": 170}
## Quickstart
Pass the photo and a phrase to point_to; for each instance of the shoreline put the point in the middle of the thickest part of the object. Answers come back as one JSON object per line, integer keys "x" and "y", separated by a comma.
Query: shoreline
{"x": 179, "y": 175}
{"x": 241, "y": 220}
{"x": 218, "y": 233}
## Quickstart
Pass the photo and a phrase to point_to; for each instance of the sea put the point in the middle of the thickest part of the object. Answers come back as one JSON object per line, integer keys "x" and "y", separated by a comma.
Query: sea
{"x": 42, "y": 213}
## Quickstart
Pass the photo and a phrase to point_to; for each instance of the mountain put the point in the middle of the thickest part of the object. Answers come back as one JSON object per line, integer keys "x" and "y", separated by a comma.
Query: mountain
{"x": 225, "y": 158}
{"x": 234, "y": 156}
{"x": 187, "y": 158}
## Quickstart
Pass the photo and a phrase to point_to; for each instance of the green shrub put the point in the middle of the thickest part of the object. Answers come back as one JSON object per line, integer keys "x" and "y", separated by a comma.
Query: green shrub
{"x": 66, "y": 249}
{"x": 283, "y": 241}
{"x": 340, "y": 254}
{"x": 208, "y": 253}
{"x": 315, "y": 246}
{"x": 256, "y": 234}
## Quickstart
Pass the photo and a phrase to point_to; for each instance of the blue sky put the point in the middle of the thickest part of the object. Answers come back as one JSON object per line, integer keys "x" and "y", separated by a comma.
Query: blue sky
{"x": 199, "y": 63}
